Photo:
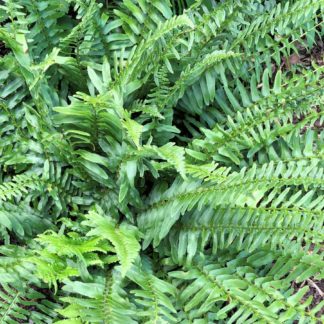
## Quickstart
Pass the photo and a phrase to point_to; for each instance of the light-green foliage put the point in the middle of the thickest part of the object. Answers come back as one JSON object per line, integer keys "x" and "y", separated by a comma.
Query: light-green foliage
{"x": 160, "y": 161}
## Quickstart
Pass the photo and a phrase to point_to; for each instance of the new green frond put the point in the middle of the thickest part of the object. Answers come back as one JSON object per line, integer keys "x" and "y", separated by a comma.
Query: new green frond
{"x": 124, "y": 237}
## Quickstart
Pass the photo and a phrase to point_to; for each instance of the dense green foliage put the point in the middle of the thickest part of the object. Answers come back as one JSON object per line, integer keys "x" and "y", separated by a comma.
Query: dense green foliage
{"x": 160, "y": 161}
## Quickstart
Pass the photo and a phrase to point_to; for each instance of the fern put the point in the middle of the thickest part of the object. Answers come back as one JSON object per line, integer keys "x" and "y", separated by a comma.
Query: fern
{"x": 161, "y": 161}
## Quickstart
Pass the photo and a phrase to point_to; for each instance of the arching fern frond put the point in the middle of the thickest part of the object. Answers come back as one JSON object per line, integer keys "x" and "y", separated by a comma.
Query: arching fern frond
{"x": 237, "y": 292}
{"x": 25, "y": 304}
{"x": 246, "y": 188}
{"x": 152, "y": 295}
{"x": 117, "y": 307}
{"x": 90, "y": 119}
{"x": 43, "y": 20}
{"x": 249, "y": 228}
{"x": 139, "y": 17}
{"x": 14, "y": 269}
{"x": 22, "y": 220}
{"x": 257, "y": 125}
{"x": 242, "y": 36}
{"x": 97, "y": 302}
{"x": 123, "y": 238}
{"x": 18, "y": 186}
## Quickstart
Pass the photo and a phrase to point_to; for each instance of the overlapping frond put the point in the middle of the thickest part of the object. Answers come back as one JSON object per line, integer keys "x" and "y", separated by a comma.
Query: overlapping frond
{"x": 249, "y": 187}
{"x": 16, "y": 304}
{"x": 237, "y": 292}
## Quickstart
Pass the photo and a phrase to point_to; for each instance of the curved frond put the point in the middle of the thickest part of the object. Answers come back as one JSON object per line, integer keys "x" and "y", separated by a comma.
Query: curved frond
{"x": 245, "y": 188}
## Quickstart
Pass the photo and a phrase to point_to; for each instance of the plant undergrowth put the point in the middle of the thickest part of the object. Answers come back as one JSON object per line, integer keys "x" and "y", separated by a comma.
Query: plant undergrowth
{"x": 161, "y": 161}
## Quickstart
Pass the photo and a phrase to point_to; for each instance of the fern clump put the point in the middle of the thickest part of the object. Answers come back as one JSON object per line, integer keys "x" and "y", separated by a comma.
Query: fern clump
{"x": 161, "y": 161}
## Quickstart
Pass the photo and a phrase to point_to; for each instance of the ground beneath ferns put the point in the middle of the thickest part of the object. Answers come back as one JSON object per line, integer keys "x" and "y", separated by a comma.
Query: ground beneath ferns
{"x": 316, "y": 290}
{"x": 3, "y": 49}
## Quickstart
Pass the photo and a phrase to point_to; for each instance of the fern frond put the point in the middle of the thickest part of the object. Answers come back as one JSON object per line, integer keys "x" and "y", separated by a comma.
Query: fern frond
{"x": 90, "y": 119}
{"x": 17, "y": 304}
{"x": 153, "y": 295}
{"x": 22, "y": 220}
{"x": 231, "y": 292}
{"x": 89, "y": 309}
{"x": 281, "y": 20}
{"x": 268, "y": 47}
{"x": 117, "y": 307}
{"x": 248, "y": 228}
{"x": 18, "y": 186}
{"x": 238, "y": 189}
{"x": 190, "y": 75}
{"x": 14, "y": 269}
{"x": 139, "y": 17}
{"x": 173, "y": 154}
{"x": 134, "y": 69}
{"x": 14, "y": 11}
{"x": 45, "y": 29}
{"x": 123, "y": 238}
{"x": 70, "y": 245}
{"x": 253, "y": 130}
{"x": 97, "y": 302}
